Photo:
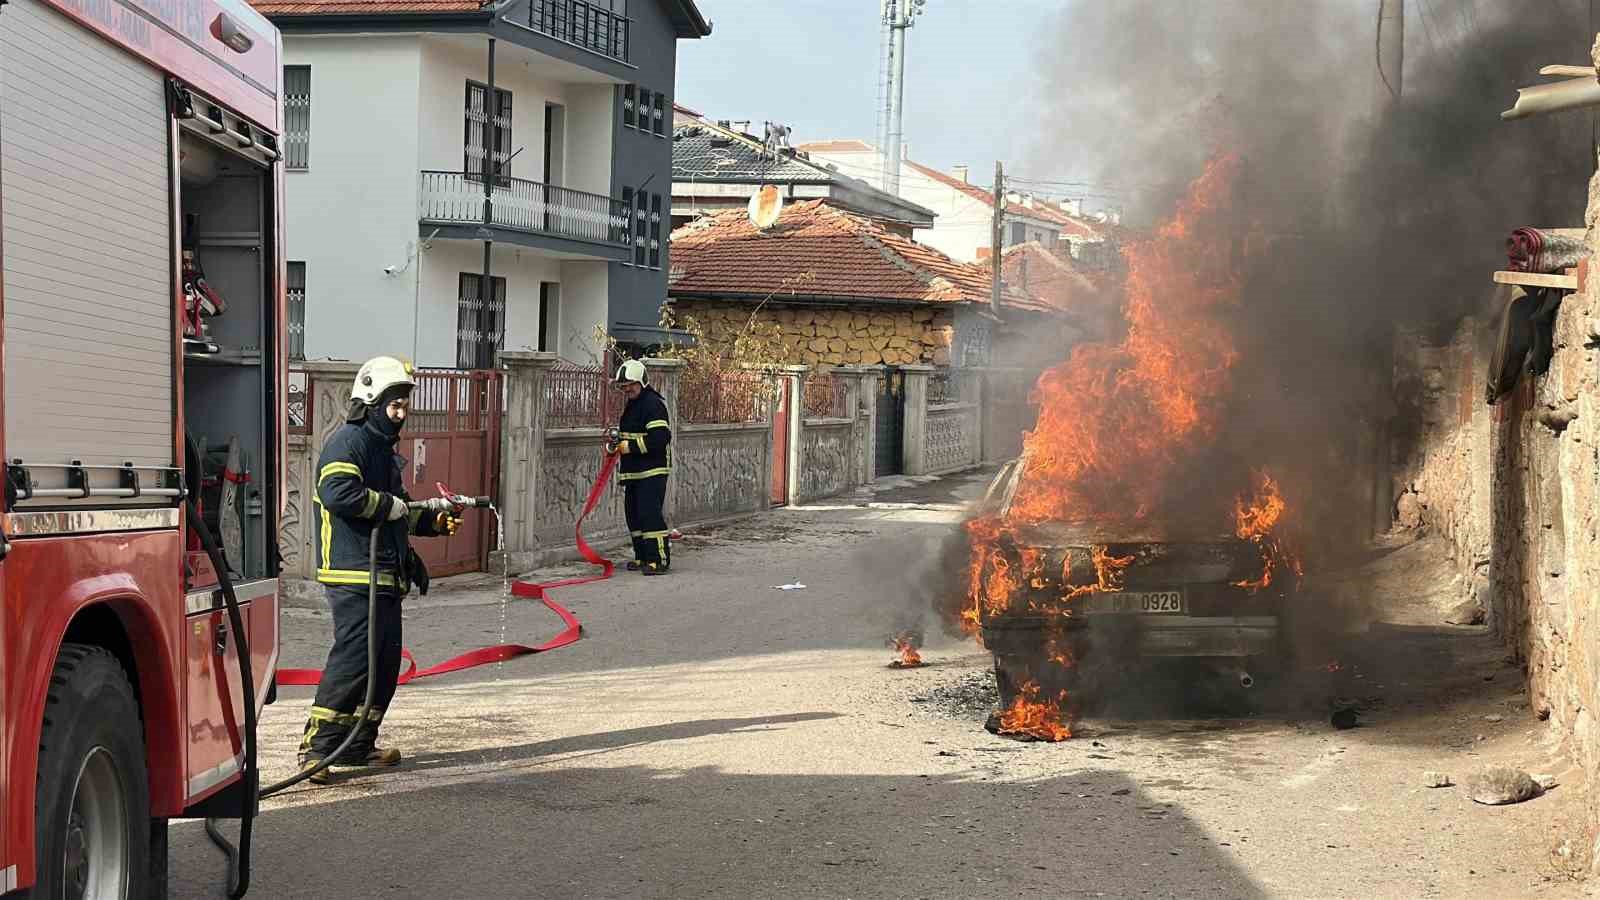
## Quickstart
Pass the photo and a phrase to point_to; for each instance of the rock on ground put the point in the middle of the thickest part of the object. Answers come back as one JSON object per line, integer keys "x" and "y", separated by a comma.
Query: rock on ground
{"x": 1501, "y": 785}
{"x": 1467, "y": 612}
{"x": 1436, "y": 780}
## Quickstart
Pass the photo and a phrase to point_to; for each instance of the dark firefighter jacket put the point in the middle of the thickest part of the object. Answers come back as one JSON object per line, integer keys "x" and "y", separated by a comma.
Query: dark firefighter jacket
{"x": 648, "y": 434}
{"x": 357, "y": 477}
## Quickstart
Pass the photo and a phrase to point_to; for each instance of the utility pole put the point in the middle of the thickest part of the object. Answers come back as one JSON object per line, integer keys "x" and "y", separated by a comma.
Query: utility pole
{"x": 996, "y": 235}
{"x": 900, "y": 15}
{"x": 1390, "y": 87}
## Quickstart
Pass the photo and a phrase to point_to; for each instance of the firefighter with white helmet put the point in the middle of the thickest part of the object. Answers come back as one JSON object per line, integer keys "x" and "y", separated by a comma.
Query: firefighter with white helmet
{"x": 644, "y": 440}
{"x": 359, "y": 488}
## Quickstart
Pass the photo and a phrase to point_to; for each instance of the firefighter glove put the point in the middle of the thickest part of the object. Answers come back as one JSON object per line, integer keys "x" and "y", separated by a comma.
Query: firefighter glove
{"x": 396, "y": 508}
{"x": 446, "y": 524}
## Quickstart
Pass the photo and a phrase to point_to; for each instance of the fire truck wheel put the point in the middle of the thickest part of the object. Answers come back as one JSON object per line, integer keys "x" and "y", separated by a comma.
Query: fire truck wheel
{"x": 93, "y": 800}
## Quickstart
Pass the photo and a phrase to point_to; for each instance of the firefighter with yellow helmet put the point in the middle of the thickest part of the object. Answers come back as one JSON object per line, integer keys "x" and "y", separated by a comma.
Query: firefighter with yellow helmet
{"x": 359, "y": 488}
{"x": 644, "y": 440}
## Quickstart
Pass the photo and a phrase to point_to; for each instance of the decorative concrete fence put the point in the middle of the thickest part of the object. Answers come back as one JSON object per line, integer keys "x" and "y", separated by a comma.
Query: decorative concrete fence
{"x": 550, "y": 433}
{"x": 944, "y": 420}
{"x": 832, "y": 428}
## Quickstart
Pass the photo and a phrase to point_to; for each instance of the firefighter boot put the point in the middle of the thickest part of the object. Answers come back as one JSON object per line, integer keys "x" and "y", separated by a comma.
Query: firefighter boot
{"x": 311, "y": 762}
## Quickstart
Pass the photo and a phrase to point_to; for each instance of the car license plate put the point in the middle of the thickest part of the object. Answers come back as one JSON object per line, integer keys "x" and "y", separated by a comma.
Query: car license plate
{"x": 1135, "y": 602}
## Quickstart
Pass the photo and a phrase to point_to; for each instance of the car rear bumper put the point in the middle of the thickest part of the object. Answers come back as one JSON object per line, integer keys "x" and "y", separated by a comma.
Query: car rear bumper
{"x": 1234, "y": 636}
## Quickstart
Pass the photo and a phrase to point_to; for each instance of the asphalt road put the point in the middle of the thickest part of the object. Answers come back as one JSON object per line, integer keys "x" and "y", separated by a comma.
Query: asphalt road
{"x": 714, "y": 736}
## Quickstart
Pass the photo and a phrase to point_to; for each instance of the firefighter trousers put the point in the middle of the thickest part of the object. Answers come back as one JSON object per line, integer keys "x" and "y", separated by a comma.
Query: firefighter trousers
{"x": 337, "y": 707}
{"x": 644, "y": 502}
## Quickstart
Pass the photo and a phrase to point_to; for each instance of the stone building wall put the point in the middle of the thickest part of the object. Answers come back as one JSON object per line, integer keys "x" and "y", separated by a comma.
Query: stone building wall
{"x": 864, "y": 336}
{"x": 1517, "y": 490}
{"x": 1442, "y": 469}
{"x": 1545, "y": 536}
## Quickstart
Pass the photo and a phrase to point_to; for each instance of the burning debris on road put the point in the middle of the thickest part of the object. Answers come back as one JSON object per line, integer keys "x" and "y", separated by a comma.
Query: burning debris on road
{"x": 906, "y": 645}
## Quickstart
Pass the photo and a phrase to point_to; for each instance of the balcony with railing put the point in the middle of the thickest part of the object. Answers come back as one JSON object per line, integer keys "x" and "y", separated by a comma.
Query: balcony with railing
{"x": 527, "y": 207}
{"x": 599, "y": 26}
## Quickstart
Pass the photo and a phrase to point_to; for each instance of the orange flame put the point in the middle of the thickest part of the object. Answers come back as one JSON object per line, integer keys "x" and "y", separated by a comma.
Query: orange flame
{"x": 906, "y": 646}
{"x": 1115, "y": 420}
{"x": 1028, "y": 715}
{"x": 1256, "y": 520}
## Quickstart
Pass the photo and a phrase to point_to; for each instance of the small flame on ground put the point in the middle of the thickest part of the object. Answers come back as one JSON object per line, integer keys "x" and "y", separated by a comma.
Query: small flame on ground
{"x": 1333, "y": 666}
{"x": 905, "y": 645}
{"x": 1041, "y": 719}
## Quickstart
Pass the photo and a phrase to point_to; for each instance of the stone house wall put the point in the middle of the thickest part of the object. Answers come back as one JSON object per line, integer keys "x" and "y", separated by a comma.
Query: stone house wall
{"x": 1516, "y": 489}
{"x": 1442, "y": 470}
{"x": 863, "y": 336}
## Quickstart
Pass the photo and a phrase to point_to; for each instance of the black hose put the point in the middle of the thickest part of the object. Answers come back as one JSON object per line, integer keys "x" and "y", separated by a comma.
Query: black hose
{"x": 372, "y": 677}
{"x": 238, "y": 857}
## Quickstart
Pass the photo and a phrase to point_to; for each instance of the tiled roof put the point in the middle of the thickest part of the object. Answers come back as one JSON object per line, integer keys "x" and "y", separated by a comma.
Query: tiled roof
{"x": 361, "y": 7}
{"x": 1049, "y": 279}
{"x": 1069, "y": 225}
{"x": 848, "y": 146}
{"x": 708, "y": 153}
{"x": 816, "y": 250}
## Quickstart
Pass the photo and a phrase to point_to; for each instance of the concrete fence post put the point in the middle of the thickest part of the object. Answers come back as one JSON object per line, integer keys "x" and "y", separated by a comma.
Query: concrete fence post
{"x": 916, "y": 421}
{"x": 666, "y": 376}
{"x": 522, "y": 445}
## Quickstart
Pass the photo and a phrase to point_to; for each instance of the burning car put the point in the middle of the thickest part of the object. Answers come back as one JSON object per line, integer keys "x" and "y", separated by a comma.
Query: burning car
{"x": 1055, "y": 601}
{"x": 1129, "y": 530}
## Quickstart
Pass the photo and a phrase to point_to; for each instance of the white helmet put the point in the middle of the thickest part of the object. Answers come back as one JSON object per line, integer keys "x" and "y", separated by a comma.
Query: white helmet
{"x": 631, "y": 370}
{"x": 379, "y": 374}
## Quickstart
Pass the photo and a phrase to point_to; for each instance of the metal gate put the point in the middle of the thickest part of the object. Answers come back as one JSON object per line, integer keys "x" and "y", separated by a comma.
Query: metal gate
{"x": 780, "y": 442}
{"x": 453, "y": 437}
{"x": 890, "y": 438}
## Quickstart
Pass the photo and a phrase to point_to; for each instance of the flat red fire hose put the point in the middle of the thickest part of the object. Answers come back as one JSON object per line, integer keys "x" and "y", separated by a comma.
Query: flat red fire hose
{"x": 524, "y": 589}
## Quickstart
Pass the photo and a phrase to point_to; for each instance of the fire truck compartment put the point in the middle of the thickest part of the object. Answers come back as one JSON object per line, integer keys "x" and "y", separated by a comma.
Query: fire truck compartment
{"x": 229, "y": 396}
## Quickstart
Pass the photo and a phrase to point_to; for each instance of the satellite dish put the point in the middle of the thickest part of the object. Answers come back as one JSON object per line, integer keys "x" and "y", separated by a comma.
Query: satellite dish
{"x": 765, "y": 205}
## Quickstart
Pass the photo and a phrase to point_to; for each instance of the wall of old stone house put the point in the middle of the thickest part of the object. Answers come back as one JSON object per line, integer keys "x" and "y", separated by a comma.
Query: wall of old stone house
{"x": 1442, "y": 443}
{"x": 1516, "y": 489}
{"x": 1544, "y": 537}
{"x": 840, "y": 337}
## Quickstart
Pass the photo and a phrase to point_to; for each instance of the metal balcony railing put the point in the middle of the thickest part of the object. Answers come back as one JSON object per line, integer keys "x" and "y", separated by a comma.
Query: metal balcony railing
{"x": 456, "y": 198}
{"x": 592, "y": 26}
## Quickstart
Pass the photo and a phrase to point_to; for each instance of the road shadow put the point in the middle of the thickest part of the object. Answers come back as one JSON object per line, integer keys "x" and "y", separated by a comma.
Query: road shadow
{"x": 639, "y": 831}
{"x": 607, "y": 741}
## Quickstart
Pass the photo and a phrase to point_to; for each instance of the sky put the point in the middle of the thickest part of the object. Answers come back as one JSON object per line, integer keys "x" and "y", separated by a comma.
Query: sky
{"x": 812, "y": 65}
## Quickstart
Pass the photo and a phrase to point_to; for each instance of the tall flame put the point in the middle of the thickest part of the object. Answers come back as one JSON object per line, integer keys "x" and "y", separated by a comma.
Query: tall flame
{"x": 1256, "y": 519}
{"x": 1114, "y": 420}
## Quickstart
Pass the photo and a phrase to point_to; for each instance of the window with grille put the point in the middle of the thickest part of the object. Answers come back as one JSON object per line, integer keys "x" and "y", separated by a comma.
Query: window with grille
{"x": 641, "y": 231}
{"x": 295, "y": 291}
{"x": 658, "y": 114}
{"x": 655, "y": 231}
{"x": 297, "y": 117}
{"x": 629, "y": 105}
{"x": 644, "y": 110}
{"x": 488, "y": 134}
{"x": 480, "y": 322}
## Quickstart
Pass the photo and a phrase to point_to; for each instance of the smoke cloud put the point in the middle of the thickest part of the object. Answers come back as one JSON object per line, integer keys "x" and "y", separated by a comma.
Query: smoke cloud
{"x": 1367, "y": 212}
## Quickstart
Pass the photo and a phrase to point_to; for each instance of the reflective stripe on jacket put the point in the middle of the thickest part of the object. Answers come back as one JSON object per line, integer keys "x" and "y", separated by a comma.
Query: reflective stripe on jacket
{"x": 356, "y": 476}
{"x": 648, "y": 434}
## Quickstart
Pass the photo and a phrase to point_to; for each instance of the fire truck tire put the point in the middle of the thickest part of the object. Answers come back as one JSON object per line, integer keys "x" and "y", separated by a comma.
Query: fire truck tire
{"x": 93, "y": 826}
{"x": 160, "y": 852}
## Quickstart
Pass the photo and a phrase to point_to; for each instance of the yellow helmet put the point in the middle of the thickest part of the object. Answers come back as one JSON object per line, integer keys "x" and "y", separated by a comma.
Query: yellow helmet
{"x": 379, "y": 374}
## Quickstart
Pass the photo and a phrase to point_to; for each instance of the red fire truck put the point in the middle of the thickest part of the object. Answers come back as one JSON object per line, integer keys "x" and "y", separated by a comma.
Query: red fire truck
{"x": 142, "y": 370}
